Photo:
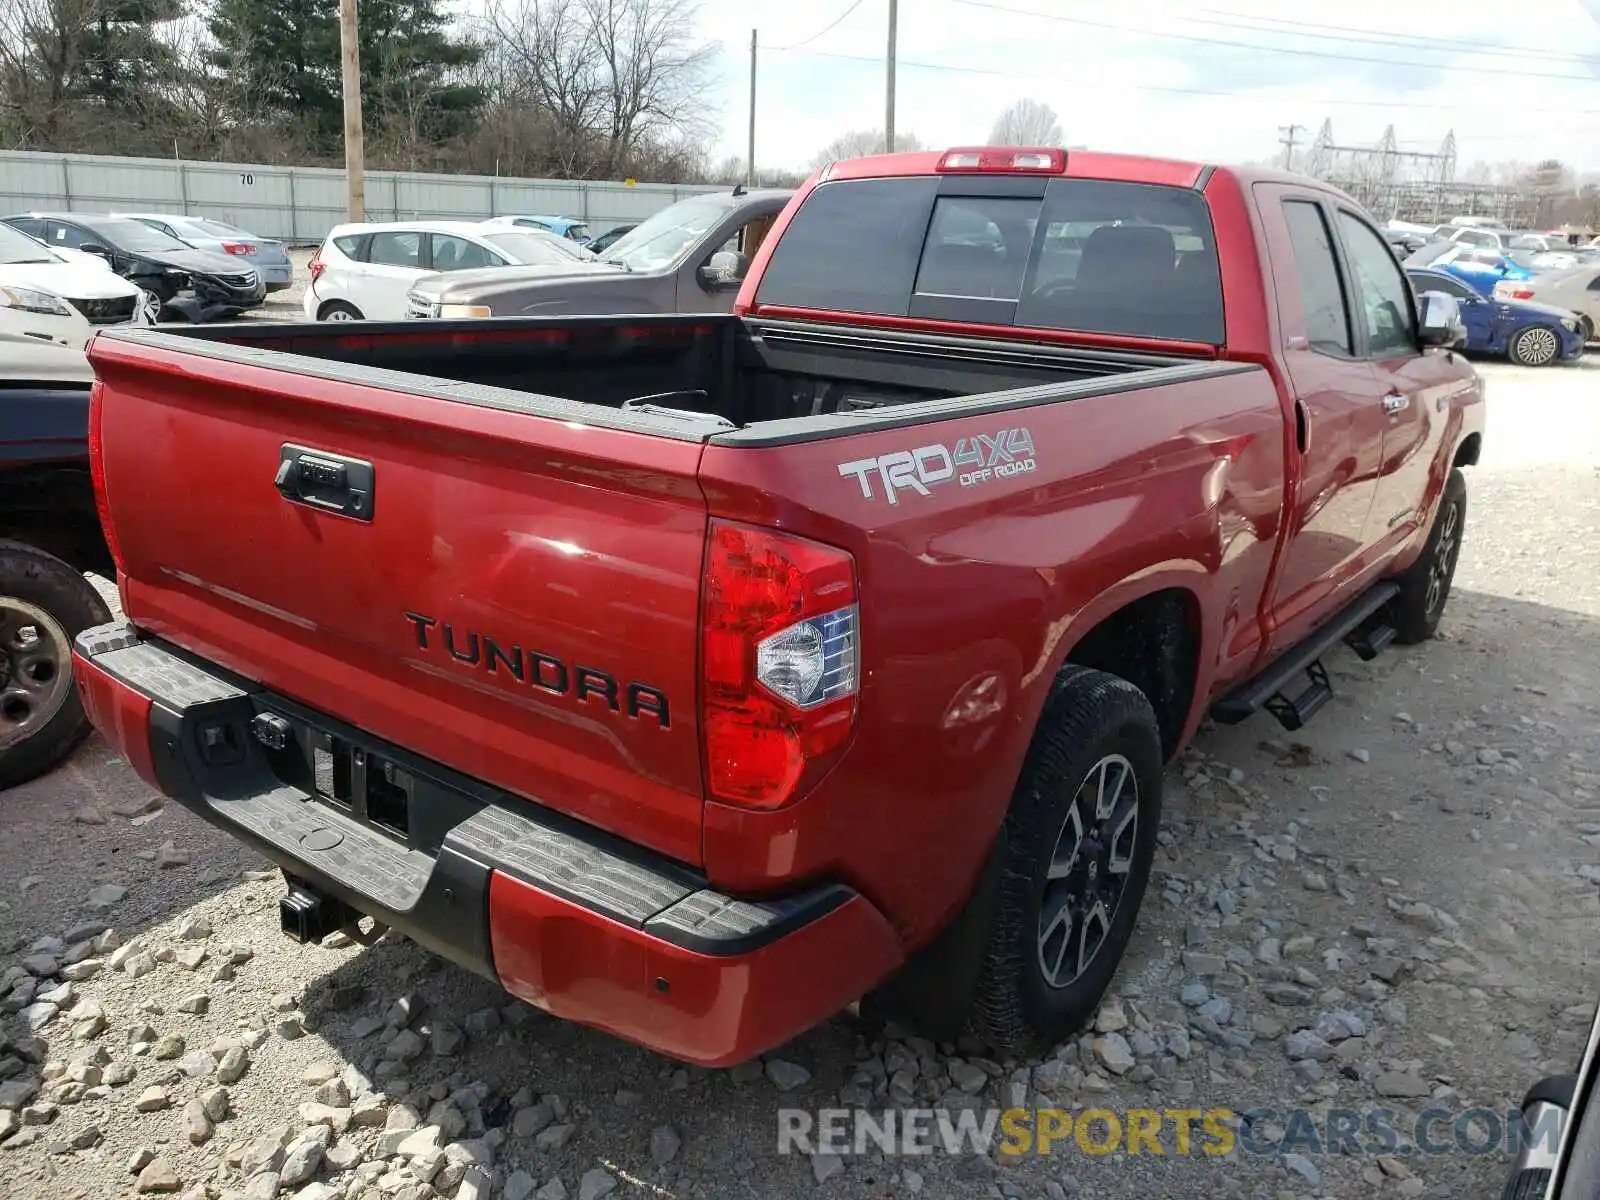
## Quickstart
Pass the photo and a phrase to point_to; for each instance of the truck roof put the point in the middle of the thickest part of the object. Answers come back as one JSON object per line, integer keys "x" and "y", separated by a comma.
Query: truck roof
{"x": 1079, "y": 164}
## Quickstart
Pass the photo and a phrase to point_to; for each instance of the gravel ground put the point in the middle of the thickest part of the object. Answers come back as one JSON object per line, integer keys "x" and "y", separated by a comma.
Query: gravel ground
{"x": 1411, "y": 877}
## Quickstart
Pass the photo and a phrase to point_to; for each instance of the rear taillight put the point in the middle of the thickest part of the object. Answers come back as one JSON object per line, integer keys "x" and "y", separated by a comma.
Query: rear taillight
{"x": 97, "y": 471}
{"x": 1521, "y": 294}
{"x": 780, "y": 663}
{"x": 316, "y": 266}
{"x": 243, "y": 249}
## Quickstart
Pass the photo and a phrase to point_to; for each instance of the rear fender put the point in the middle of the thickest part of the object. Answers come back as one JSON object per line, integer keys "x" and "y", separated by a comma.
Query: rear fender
{"x": 1067, "y": 632}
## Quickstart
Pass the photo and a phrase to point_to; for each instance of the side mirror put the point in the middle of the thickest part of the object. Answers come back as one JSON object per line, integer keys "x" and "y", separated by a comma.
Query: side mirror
{"x": 726, "y": 270}
{"x": 95, "y": 248}
{"x": 1440, "y": 320}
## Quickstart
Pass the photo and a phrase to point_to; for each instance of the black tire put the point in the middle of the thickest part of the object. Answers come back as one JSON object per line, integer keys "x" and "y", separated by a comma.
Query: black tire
{"x": 31, "y": 582}
{"x": 1586, "y": 328}
{"x": 1416, "y": 611}
{"x": 1090, "y": 718}
{"x": 1535, "y": 346}
{"x": 338, "y": 310}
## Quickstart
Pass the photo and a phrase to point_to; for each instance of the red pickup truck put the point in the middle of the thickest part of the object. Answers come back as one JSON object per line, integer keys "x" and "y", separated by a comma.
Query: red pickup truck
{"x": 695, "y": 676}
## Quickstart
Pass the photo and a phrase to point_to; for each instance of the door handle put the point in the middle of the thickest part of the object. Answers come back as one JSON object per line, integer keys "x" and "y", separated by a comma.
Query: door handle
{"x": 1395, "y": 402}
{"x": 323, "y": 480}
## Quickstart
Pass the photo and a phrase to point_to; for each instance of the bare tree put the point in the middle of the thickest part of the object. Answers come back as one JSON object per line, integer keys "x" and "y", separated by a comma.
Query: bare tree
{"x": 1027, "y": 123}
{"x": 860, "y": 143}
{"x": 42, "y": 46}
{"x": 609, "y": 74}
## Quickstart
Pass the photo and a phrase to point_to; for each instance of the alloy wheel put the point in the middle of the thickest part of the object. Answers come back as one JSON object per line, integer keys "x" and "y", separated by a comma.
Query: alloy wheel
{"x": 1444, "y": 557}
{"x": 1088, "y": 870}
{"x": 1538, "y": 346}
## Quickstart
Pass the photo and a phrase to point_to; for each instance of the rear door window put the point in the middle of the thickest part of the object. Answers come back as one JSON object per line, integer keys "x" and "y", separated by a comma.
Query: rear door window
{"x": 451, "y": 253}
{"x": 1322, "y": 298}
{"x": 395, "y": 249}
{"x": 1069, "y": 254}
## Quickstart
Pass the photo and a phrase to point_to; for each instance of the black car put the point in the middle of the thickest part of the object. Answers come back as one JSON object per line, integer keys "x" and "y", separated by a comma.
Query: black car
{"x": 193, "y": 285}
{"x": 605, "y": 240}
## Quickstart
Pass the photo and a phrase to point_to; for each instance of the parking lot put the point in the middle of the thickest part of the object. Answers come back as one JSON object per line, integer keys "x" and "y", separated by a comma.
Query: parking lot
{"x": 1413, "y": 876}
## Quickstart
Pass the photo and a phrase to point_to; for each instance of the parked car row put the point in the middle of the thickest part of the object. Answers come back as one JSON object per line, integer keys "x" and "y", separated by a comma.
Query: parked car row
{"x": 190, "y": 269}
{"x": 1534, "y": 298}
{"x": 690, "y": 257}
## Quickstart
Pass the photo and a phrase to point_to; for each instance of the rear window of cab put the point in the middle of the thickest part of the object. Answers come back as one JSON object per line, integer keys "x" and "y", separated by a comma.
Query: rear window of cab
{"x": 1085, "y": 255}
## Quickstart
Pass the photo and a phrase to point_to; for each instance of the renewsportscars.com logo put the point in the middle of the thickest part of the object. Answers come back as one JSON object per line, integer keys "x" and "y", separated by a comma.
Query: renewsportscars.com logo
{"x": 972, "y": 461}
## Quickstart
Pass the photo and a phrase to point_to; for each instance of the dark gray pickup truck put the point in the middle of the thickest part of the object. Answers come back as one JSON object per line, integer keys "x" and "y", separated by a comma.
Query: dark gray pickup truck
{"x": 689, "y": 258}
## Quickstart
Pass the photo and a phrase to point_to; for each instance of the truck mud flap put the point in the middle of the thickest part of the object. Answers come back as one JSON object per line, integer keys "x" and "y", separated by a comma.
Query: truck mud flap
{"x": 399, "y": 838}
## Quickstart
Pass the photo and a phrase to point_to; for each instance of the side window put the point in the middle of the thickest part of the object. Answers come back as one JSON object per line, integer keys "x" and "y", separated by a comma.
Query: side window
{"x": 451, "y": 253}
{"x": 1384, "y": 299}
{"x": 977, "y": 247}
{"x": 395, "y": 249}
{"x": 32, "y": 226}
{"x": 351, "y": 247}
{"x": 754, "y": 233}
{"x": 61, "y": 234}
{"x": 1438, "y": 283}
{"x": 1321, "y": 293}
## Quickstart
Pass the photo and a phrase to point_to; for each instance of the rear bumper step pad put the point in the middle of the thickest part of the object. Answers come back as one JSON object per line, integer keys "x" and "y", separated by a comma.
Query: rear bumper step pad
{"x": 434, "y": 884}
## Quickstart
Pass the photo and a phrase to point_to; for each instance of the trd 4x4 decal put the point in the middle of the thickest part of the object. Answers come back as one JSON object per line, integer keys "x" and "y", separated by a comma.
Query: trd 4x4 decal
{"x": 973, "y": 461}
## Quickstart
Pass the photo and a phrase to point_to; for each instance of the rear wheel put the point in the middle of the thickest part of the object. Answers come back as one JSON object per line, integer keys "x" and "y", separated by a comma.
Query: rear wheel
{"x": 338, "y": 310}
{"x": 1425, "y": 587}
{"x": 44, "y": 605}
{"x": 1535, "y": 346}
{"x": 1586, "y": 328}
{"x": 1075, "y": 855}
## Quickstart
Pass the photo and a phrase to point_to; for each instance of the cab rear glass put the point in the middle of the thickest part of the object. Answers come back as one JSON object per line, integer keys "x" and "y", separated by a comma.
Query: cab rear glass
{"x": 1087, "y": 255}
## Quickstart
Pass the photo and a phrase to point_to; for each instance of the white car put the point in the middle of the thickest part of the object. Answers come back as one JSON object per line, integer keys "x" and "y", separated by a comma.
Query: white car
{"x": 363, "y": 272}
{"x": 52, "y": 297}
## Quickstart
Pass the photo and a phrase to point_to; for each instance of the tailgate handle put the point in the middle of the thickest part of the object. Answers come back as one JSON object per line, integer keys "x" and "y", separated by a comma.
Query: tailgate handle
{"x": 323, "y": 480}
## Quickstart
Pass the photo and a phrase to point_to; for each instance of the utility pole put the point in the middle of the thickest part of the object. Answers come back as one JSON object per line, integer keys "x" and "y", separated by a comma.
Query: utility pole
{"x": 355, "y": 170}
{"x": 888, "y": 119}
{"x": 750, "y": 155}
{"x": 1287, "y": 142}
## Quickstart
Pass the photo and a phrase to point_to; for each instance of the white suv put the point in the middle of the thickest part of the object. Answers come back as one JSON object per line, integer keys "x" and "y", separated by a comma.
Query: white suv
{"x": 363, "y": 272}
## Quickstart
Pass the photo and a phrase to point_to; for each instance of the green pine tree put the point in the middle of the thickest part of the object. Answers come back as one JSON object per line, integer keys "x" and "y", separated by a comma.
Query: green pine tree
{"x": 283, "y": 57}
{"x": 122, "y": 61}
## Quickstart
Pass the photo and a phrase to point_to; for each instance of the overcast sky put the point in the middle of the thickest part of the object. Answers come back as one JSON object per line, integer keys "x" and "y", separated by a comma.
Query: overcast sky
{"x": 1515, "y": 82}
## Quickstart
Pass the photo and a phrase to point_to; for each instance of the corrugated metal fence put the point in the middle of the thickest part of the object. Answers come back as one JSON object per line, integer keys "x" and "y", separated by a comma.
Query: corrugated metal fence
{"x": 300, "y": 204}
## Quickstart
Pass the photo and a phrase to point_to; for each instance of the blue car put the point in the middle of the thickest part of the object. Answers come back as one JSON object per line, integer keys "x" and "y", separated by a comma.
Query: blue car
{"x": 1530, "y": 335}
{"x": 570, "y": 228}
{"x": 1480, "y": 267}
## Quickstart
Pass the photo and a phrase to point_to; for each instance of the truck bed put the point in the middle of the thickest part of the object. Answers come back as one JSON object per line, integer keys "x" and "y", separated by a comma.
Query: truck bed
{"x": 729, "y": 379}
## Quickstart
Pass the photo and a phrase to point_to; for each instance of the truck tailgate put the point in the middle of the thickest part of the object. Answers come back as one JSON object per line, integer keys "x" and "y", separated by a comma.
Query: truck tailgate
{"x": 515, "y": 599}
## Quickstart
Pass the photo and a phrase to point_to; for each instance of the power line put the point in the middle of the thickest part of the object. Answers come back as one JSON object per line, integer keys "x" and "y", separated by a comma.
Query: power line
{"x": 1309, "y": 101}
{"x": 828, "y": 28}
{"x": 1319, "y": 29}
{"x": 1208, "y": 41}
